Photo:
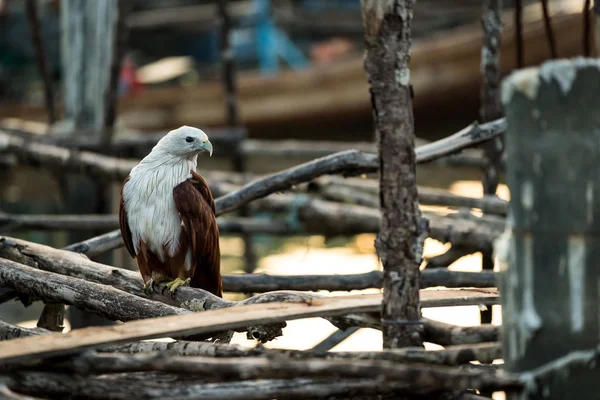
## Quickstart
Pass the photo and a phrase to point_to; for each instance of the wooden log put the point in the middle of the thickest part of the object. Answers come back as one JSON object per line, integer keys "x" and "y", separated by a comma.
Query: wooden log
{"x": 260, "y": 283}
{"x": 185, "y": 324}
{"x": 446, "y": 334}
{"x": 450, "y": 355}
{"x": 8, "y": 394}
{"x": 100, "y": 299}
{"x": 10, "y": 331}
{"x": 416, "y": 376}
{"x": 71, "y": 264}
{"x": 127, "y": 386}
{"x": 551, "y": 301}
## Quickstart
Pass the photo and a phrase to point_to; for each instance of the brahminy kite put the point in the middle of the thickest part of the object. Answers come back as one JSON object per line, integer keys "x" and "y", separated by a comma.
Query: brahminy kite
{"x": 167, "y": 215}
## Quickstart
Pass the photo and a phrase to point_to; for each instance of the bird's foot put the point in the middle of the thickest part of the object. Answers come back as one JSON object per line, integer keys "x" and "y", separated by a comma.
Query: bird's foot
{"x": 149, "y": 286}
{"x": 174, "y": 284}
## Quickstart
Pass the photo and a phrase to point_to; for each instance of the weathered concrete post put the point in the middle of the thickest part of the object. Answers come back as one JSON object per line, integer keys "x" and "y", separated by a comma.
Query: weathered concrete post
{"x": 550, "y": 275}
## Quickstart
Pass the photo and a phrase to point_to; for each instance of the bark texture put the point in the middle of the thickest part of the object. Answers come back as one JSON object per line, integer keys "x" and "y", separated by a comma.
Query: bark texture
{"x": 388, "y": 41}
{"x": 491, "y": 108}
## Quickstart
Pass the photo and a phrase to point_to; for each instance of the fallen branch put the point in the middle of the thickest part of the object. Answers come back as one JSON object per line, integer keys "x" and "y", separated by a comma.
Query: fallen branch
{"x": 446, "y": 334}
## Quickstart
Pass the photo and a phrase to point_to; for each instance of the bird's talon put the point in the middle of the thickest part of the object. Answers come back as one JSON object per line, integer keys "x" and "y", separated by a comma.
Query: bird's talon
{"x": 149, "y": 286}
{"x": 174, "y": 284}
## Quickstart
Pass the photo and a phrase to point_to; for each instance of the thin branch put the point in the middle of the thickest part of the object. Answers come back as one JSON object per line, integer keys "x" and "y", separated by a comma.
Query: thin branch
{"x": 470, "y": 136}
{"x": 519, "y": 33}
{"x": 549, "y": 30}
{"x": 587, "y": 29}
{"x": 41, "y": 57}
{"x": 446, "y": 259}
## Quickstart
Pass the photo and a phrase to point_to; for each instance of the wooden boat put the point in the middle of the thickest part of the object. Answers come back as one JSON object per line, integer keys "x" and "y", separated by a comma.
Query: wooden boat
{"x": 445, "y": 73}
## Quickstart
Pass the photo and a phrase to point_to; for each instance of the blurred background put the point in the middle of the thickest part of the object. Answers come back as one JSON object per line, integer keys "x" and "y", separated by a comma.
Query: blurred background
{"x": 300, "y": 77}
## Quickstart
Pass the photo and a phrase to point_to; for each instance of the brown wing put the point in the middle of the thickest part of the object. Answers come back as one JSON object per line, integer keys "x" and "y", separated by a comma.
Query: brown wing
{"x": 196, "y": 207}
{"x": 124, "y": 225}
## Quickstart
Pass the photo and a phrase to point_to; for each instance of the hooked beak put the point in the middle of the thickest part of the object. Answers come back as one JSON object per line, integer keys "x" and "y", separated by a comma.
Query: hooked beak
{"x": 206, "y": 147}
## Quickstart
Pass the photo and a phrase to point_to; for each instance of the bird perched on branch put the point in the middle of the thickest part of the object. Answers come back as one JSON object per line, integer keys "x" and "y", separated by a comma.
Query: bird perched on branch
{"x": 167, "y": 215}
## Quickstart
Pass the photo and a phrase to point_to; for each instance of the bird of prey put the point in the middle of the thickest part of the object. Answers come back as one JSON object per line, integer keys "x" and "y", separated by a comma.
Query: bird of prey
{"x": 167, "y": 215}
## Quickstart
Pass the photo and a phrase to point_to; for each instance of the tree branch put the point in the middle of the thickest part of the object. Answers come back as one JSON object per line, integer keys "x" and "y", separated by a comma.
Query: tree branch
{"x": 446, "y": 334}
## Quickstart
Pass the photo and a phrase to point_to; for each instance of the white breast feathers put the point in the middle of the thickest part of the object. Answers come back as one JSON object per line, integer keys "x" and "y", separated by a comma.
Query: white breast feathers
{"x": 148, "y": 201}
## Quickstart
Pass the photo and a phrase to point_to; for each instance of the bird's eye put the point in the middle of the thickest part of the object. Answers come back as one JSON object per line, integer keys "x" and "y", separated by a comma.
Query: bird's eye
{"x": 189, "y": 139}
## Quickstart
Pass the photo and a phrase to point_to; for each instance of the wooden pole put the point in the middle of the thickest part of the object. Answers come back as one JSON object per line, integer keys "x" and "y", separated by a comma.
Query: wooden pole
{"x": 234, "y": 120}
{"x": 550, "y": 281}
{"x": 491, "y": 108}
{"x": 88, "y": 48}
{"x": 388, "y": 42}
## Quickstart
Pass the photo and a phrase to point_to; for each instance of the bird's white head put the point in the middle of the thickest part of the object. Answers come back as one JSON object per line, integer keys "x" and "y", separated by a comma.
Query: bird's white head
{"x": 186, "y": 142}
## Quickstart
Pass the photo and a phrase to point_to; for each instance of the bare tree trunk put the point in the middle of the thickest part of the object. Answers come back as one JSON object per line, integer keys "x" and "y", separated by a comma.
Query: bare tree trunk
{"x": 388, "y": 40}
{"x": 549, "y": 253}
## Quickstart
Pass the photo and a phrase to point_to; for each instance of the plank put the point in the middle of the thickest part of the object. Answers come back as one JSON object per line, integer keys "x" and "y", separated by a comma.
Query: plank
{"x": 222, "y": 319}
